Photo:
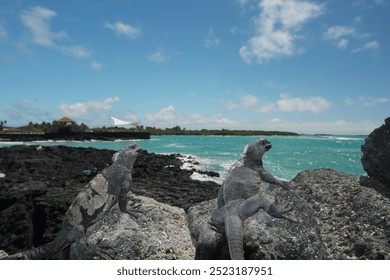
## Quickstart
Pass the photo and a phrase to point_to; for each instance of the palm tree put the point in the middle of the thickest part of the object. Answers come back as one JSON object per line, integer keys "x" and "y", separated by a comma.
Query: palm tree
{"x": 2, "y": 124}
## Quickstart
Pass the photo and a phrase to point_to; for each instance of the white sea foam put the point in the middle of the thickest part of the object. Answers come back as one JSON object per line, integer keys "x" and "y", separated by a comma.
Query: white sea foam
{"x": 343, "y": 138}
{"x": 349, "y": 139}
{"x": 202, "y": 177}
{"x": 194, "y": 163}
{"x": 7, "y": 144}
{"x": 175, "y": 145}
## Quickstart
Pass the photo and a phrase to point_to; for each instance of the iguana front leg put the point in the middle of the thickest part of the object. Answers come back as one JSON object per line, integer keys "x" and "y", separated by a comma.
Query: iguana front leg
{"x": 267, "y": 177}
{"x": 129, "y": 204}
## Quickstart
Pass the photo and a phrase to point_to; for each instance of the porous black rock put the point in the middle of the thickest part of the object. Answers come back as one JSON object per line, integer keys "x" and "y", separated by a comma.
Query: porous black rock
{"x": 376, "y": 154}
{"x": 38, "y": 187}
{"x": 352, "y": 212}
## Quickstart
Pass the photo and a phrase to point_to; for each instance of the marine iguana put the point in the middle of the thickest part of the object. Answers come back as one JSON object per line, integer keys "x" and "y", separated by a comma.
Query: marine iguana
{"x": 239, "y": 197}
{"x": 92, "y": 204}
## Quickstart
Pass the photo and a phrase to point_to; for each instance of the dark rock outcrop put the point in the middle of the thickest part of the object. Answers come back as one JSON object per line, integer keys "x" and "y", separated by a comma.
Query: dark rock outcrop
{"x": 38, "y": 187}
{"x": 162, "y": 178}
{"x": 353, "y": 213}
{"x": 265, "y": 237}
{"x": 376, "y": 154}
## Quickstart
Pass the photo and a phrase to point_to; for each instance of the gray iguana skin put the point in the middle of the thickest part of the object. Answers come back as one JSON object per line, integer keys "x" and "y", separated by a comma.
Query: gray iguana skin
{"x": 239, "y": 196}
{"x": 92, "y": 204}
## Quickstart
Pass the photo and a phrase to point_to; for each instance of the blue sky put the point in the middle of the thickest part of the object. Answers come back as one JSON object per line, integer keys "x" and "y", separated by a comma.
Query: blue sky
{"x": 303, "y": 66}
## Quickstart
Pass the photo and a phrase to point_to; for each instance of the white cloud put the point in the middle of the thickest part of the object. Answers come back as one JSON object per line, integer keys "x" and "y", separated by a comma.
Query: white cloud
{"x": 266, "y": 108}
{"x": 233, "y": 30}
{"x": 169, "y": 116}
{"x": 158, "y": 56}
{"x": 26, "y": 110}
{"x": 342, "y": 43}
{"x": 166, "y": 117}
{"x": 246, "y": 101}
{"x": 89, "y": 109}
{"x": 211, "y": 40}
{"x": 339, "y": 35}
{"x": 75, "y": 51}
{"x": 242, "y": 2}
{"x": 366, "y": 101}
{"x": 123, "y": 29}
{"x": 37, "y": 20}
{"x": 96, "y": 65}
{"x": 337, "y": 32}
{"x": 373, "y": 45}
{"x": 277, "y": 28}
{"x": 315, "y": 104}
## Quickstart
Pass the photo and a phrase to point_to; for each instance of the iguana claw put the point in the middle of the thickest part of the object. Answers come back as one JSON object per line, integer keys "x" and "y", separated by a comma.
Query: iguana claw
{"x": 133, "y": 207}
{"x": 280, "y": 208}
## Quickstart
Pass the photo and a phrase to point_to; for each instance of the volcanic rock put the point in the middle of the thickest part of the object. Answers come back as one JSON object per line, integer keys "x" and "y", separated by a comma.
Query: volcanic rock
{"x": 376, "y": 154}
{"x": 352, "y": 212}
{"x": 160, "y": 232}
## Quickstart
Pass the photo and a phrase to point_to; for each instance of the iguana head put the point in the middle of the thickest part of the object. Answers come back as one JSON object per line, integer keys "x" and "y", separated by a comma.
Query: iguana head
{"x": 127, "y": 155}
{"x": 256, "y": 150}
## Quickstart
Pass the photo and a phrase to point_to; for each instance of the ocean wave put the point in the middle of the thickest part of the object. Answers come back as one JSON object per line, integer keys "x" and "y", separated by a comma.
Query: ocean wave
{"x": 7, "y": 144}
{"x": 175, "y": 145}
{"x": 344, "y": 138}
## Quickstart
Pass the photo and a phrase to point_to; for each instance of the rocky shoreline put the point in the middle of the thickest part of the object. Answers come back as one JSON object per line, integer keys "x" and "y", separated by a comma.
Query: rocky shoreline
{"x": 340, "y": 216}
{"x": 40, "y": 183}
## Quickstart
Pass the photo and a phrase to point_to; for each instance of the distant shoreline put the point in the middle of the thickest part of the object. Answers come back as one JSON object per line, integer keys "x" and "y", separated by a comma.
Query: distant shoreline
{"x": 73, "y": 136}
{"x": 125, "y": 134}
{"x": 228, "y": 133}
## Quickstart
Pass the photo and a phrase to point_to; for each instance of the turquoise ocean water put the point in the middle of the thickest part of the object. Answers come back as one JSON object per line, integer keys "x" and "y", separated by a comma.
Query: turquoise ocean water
{"x": 288, "y": 156}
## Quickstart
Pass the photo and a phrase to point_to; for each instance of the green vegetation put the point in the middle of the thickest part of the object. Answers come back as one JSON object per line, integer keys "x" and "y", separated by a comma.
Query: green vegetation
{"x": 46, "y": 127}
{"x": 2, "y": 124}
{"x": 177, "y": 130}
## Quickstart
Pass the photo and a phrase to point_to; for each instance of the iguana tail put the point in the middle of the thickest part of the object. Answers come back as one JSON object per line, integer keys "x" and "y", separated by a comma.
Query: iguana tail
{"x": 234, "y": 234}
{"x": 42, "y": 252}
{"x": 236, "y": 214}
